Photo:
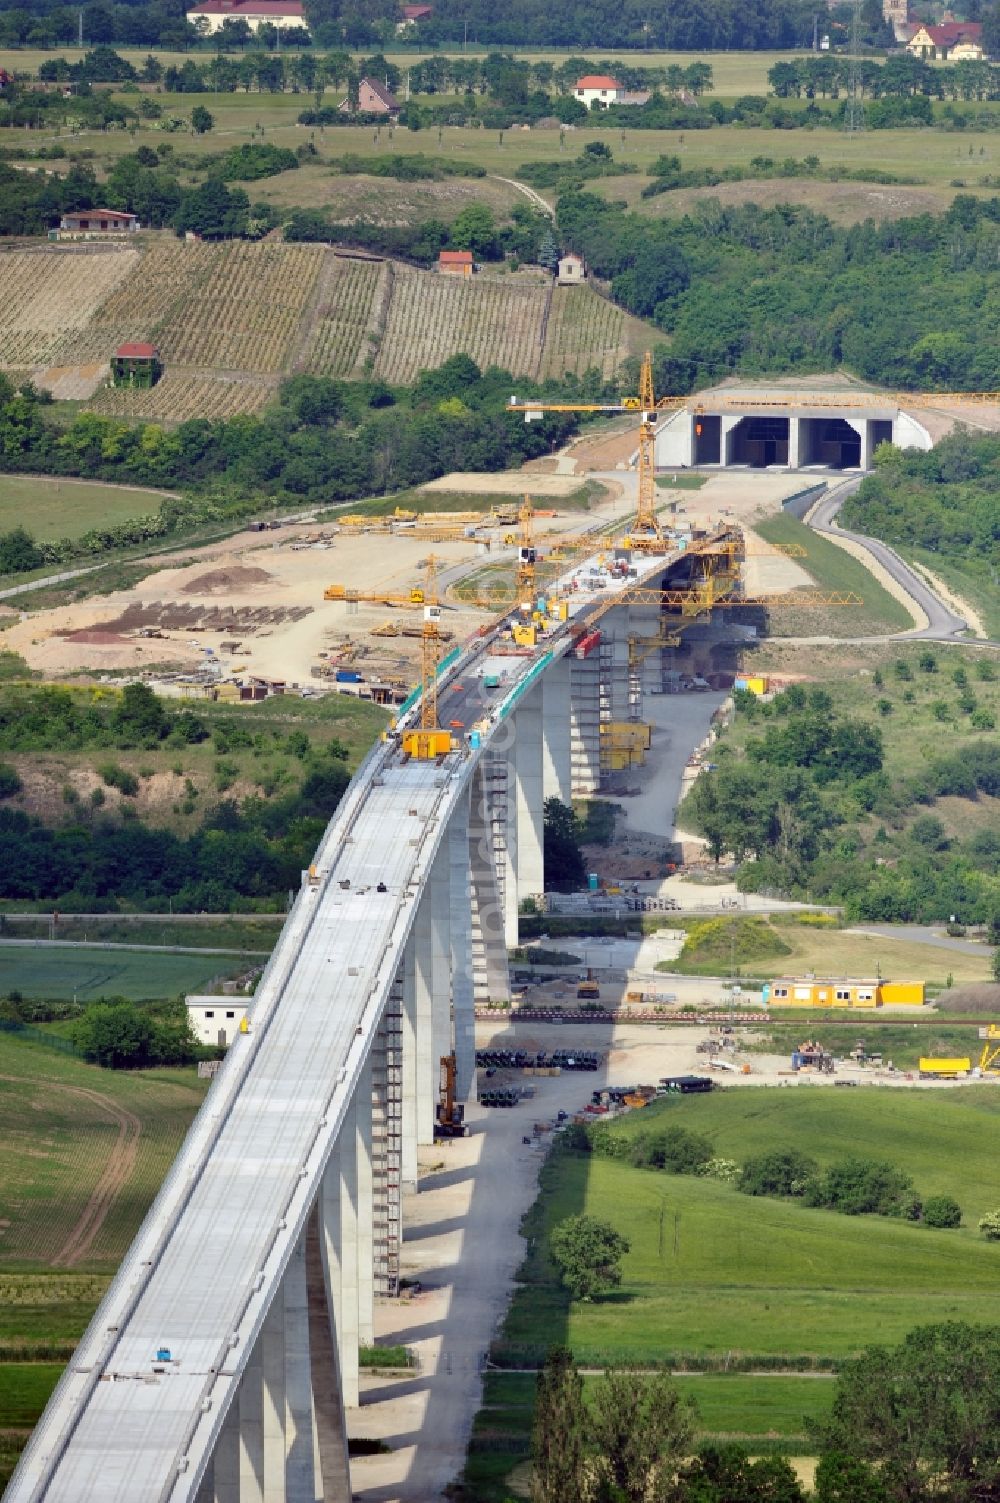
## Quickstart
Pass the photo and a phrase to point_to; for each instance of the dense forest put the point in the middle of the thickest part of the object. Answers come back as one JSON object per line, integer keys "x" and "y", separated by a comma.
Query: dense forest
{"x": 761, "y": 291}
{"x": 809, "y": 809}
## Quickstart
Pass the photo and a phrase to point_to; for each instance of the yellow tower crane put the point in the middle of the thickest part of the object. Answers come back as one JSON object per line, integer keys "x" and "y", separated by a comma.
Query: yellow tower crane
{"x": 430, "y": 740}
{"x": 646, "y": 532}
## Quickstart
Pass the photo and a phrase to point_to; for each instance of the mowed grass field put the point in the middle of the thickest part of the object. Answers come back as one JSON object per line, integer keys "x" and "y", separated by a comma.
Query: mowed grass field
{"x": 712, "y": 1272}
{"x": 84, "y": 971}
{"x": 63, "y": 508}
{"x": 63, "y": 1124}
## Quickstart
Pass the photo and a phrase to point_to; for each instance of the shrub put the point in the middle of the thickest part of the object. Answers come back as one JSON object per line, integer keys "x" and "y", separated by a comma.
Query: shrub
{"x": 785, "y": 1171}
{"x": 726, "y": 1170}
{"x": 864, "y": 1187}
{"x": 942, "y": 1211}
{"x": 674, "y": 1150}
{"x": 119, "y": 777}
{"x": 10, "y": 782}
{"x": 989, "y": 1225}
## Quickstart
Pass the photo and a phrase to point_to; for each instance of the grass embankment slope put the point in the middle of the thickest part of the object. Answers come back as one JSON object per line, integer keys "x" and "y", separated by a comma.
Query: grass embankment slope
{"x": 715, "y": 1277}
{"x": 82, "y": 1153}
{"x": 833, "y": 569}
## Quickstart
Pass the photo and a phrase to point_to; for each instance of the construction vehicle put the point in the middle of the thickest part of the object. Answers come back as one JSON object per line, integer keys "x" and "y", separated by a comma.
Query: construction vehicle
{"x": 450, "y": 1116}
{"x": 588, "y": 988}
{"x": 988, "y": 1060}
{"x": 944, "y": 1069}
{"x": 811, "y": 1055}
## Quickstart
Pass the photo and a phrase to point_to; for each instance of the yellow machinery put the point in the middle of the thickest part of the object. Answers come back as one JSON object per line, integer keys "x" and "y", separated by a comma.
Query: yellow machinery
{"x": 430, "y": 740}
{"x": 945, "y": 1069}
{"x": 450, "y": 1115}
{"x": 351, "y": 598}
{"x": 988, "y": 1060}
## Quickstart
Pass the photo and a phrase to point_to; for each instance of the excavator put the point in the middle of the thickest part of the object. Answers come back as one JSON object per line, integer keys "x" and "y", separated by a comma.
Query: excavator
{"x": 450, "y": 1115}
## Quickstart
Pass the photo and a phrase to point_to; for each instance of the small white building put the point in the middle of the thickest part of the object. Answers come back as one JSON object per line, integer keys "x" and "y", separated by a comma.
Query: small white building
{"x": 572, "y": 269}
{"x": 598, "y": 90}
{"x": 215, "y": 1021}
{"x": 209, "y": 15}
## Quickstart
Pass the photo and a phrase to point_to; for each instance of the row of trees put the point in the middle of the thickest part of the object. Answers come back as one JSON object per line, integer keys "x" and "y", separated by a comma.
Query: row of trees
{"x": 363, "y": 442}
{"x": 909, "y": 1424}
{"x": 901, "y": 75}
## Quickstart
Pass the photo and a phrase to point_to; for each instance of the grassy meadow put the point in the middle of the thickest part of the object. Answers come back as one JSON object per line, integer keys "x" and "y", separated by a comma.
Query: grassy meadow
{"x": 68, "y": 508}
{"x": 61, "y": 973}
{"x": 719, "y": 1280}
{"x": 834, "y": 569}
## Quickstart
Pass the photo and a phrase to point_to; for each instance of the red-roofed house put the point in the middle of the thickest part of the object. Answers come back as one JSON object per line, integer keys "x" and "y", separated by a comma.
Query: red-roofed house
{"x": 958, "y": 41}
{"x": 373, "y": 99}
{"x": 136, "y": 364}
{"x": 5, "y": 79}
{"x": 598, "y": 90}
{"x": 455, "y": 263}
{"x": 209, "y": 15}
{"x": 417, "y": 12}
{"x": 89, "y": 222}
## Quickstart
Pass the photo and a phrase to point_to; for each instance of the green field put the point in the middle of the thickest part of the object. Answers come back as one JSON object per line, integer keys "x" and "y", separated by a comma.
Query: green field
{"x": 68, "y": 508}
{"x": 718, "y": 1278}
{"x": 713, "y": 1272}
{"x": 834, "y": 569}
{"x": 63, "y": 972}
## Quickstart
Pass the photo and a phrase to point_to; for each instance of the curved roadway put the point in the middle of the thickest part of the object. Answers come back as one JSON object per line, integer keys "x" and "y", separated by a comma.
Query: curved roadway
{"x": 943, "y": 625}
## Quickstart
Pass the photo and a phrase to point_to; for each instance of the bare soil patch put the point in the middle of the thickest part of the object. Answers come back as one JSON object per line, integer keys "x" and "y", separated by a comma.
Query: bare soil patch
{"x": 223, "y": 581}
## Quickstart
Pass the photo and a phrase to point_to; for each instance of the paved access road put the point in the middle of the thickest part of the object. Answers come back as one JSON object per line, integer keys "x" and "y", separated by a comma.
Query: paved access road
{"x": 943, "y": 624}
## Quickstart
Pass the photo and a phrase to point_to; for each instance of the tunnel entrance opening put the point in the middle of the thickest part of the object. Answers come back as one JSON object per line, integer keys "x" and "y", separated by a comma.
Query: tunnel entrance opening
{"x": 830, "y": 442}
{"x": 707, "y": 431}
{"x": 758, "y": 442}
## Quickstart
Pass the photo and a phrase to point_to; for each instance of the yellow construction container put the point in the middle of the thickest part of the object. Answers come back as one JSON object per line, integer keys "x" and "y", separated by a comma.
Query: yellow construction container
{"x": 945, "y": 1069}
{"x": 558, "y": 610}
{"x": 627, "y": 735}
{"x": 902, "y": 993}
{"x": 426, "y": 745}
{"x": 525, "y": 636}
{"x": 789, "y": 991}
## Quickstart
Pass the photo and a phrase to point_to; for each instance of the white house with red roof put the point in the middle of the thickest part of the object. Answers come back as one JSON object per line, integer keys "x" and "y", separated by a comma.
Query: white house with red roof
{"x": 598, "y": 90}
{"x": 209, "y": 15}
{"x": 958, "y": 41}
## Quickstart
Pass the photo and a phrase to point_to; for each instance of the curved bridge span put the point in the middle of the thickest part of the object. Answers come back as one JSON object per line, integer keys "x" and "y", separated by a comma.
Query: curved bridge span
{"x": 222, "y": 1358}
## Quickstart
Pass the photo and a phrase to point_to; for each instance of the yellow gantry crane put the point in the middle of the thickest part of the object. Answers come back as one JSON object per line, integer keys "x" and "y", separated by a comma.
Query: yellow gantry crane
{"x": 646, "y": 532}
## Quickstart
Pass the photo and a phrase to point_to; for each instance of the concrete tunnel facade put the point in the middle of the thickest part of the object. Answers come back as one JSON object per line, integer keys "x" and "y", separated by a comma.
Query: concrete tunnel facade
{"x": 835, "y": 431}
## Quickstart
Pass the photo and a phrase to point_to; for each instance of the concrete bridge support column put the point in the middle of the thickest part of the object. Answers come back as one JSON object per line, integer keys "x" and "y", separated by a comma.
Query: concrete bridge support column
{"x": 491, "y": 979}
{"x": 338, "y": 1213}
{"x": 366, "y": 1208}
{"x": 584, "y": 724}
{"x": 442, "y": 1033}
{"x": 333, "y": 1475}
{"x": 528, "y": 876}
{"x": 557, "y": 773}
{"x": 462, "y": 994}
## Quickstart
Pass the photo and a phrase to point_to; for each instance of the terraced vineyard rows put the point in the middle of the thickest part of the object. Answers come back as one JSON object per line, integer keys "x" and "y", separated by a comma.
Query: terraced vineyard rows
{"x": 46, "y": 294}
{"x": 353, "y": 288}
{"x": 584, "y": 330}
{"x": 245, "y": 314}
{"x": 178, "y": 396}
{"x": 163, "y": 277}
{"x": 495, "y": 321}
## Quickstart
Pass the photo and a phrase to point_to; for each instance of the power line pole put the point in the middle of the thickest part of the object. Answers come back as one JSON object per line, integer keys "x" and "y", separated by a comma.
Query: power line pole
{"x": 854, "y": 114}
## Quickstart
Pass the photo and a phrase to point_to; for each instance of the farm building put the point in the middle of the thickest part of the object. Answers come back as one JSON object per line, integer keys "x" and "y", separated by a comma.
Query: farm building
{"x": 215, "y": 1020}
{"x": 572, "y": 269}
{"x": 91, "y": 222}
{"x": 958, "y": 41}
{"x": 373, "y": 99}
{"x": 136, "y": 365}
{"x": 209, "y": 15}
{"x": 455, "y": 263}
{"x": 789, "y": 991}
{"x": 598, "y": 90}
{"x": 414, "y": 13}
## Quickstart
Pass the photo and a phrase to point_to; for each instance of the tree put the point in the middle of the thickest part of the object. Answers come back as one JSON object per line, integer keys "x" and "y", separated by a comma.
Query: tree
{"x": 564, "y": 864}
{"x": 588, "y": 1254}
{"x": 923, "y": 1412}
{"x": 116, "y": 1035}
{"x": 201, "y": 120}
{"x": 844, "y": 1479}
{"x": 785, "y": 1171}
{"x": 942, "y": 1211}
{"x": 641, "y": 1428}
{"x": 475, "y": 229}
{"x": 726, "y": 1474}
{"x": 558, "y": 1474}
